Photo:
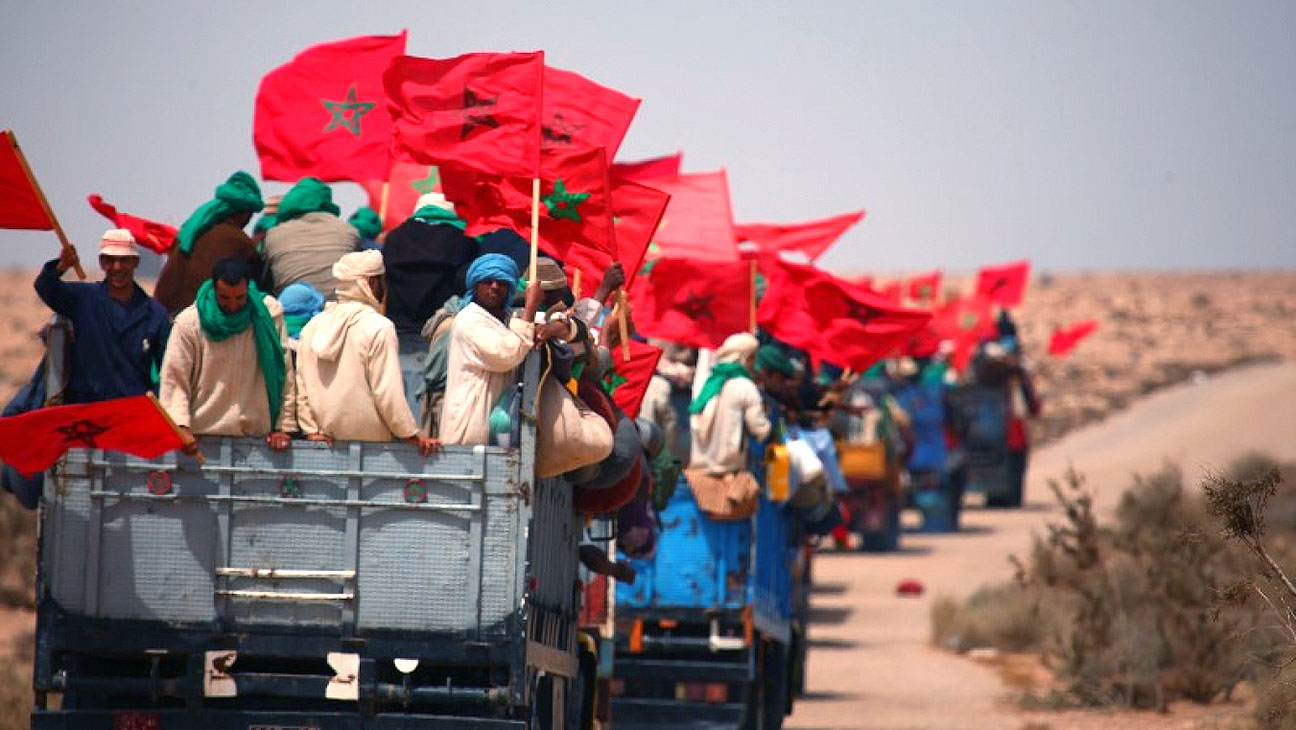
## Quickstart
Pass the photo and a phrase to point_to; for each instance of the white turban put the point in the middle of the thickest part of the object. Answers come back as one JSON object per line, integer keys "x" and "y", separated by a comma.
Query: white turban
{"x": 358, "y": 266}
{"x": 737, "y": 348}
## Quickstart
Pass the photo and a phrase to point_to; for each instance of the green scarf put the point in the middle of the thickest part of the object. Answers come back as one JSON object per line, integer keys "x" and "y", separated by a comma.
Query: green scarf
{"x": 309, "y": 195}
{"x": 218, "y": 325}
{"x": 720, "y": 374}
{"x": 771, "y": 359}
{"x": 433, "y": 214}
{"x": 239, "y": 193}
{"x": 366, "y": 221}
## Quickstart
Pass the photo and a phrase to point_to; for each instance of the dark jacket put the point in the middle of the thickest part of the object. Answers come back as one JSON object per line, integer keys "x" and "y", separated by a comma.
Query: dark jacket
{"x": 181, "y": 275}
{"x": 116, "y": 345}
{"x": 425, "y": 266}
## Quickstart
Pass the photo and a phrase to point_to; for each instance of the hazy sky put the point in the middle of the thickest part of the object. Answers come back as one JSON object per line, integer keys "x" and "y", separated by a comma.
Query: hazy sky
{"x": 1084, "y": 135}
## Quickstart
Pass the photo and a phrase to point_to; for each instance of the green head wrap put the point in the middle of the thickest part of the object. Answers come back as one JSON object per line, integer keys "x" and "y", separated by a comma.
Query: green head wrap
{"x": 239, "y": 193}
{"x": 309, "y": 195}
{"x": 771, "y": 359}
{"x": 433, "y": 214}
{"x": 218, "y": 325}
{"x": 366, "y": 221}
{"x": 264, "y": 223}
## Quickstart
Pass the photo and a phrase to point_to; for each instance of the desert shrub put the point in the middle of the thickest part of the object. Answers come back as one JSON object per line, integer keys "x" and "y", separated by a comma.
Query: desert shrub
{"x": 1005, "y": 617}
{"x": 1275, "y": 707}
{"x": 18, "y": 536}
{"x": 15, "y": 696}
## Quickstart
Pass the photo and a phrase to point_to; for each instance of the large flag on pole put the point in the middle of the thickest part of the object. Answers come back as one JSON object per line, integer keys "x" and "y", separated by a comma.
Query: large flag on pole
{"x": 480, "y": 111}
{"x": 22, "y": 206}
{"x": 322, "y": 114}
{"x": 698, "y": 303}
{"x": 579, "y": 112}
{"x": 833, "y": 320}
{"x": 31, "y": 442}
{"x": 157, "y": 237}
{"x": 698, "y": 223}
{"x": 811, "y": 238}
{"x": 654, "y": 169}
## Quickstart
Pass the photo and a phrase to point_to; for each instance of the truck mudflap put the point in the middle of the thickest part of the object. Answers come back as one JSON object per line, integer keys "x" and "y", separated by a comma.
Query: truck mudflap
{"x": 211, "y": 719}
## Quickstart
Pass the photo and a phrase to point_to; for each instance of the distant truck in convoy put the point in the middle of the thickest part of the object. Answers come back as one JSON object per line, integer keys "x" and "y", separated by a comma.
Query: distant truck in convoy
{"x": 352, "y": 586}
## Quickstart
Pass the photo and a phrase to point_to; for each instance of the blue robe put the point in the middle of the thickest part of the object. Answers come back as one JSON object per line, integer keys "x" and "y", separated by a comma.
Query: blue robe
{"x": 117, "y": 346}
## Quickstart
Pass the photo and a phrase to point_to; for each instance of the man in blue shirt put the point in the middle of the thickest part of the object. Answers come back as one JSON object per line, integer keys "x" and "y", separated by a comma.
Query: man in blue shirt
{"x": 119, "y": 330}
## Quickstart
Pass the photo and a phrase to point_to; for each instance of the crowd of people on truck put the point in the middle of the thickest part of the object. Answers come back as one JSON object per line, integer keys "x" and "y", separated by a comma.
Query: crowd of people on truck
{"x": 321, "y": 328}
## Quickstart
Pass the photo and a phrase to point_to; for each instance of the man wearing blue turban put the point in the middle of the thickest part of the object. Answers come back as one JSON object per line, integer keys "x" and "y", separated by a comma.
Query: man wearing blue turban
{"x": 487, "y": 343}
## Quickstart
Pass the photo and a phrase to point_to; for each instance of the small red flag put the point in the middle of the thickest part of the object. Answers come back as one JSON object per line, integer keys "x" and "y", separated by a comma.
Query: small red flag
{"x": 406, "y": 182}
{"x": 636, "y": 211}
{"x": 628, "y": 380}
{"x": 31, "y": 442}
{"x": 1065, "y": 339}
{"x": 650, "y": 170}
{"x": 811, "y": 237}
{"x": 577, "y": 111}
{"x": 809, "y": 308}
{"x": 967, "y": 322}
{"x": 480, "y": 111}
{"x": 20, "y": 202}
{"x": 322, "y": 113}
{"x": 698, "y": 303}
{"x": 1004, "y": 284}
{"x": 925, "y": 287}
{"x": 157, "y": 237}
{"x": 698, "y": 223}
{"x": 575, "y": 202}
{"x": 892, "y": 291}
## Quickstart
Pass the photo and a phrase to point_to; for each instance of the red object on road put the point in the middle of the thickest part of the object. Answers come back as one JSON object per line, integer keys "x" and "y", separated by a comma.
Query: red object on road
{"x": 909, "y": 587}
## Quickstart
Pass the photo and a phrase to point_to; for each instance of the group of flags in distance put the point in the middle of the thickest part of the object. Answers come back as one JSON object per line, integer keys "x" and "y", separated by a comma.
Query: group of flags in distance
{"x": 487, "y": 128}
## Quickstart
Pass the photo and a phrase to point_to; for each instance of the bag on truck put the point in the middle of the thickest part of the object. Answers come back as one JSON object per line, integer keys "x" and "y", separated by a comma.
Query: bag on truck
{"x": 569, "y": 434}
{"x": 726, "y": 497}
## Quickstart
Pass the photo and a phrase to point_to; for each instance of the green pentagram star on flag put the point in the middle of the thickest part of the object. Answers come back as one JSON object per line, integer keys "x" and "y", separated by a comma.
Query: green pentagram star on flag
{"x": 347, "y": 113}
{"x": 614, "y": 381}
{"x": 428, "y": 184}
{"x": 562, "y": 204}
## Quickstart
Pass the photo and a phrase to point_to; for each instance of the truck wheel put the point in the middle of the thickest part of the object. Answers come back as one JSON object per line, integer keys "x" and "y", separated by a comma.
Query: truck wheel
{"x": 776, "y": 685}
{"x": 753, "y": 715}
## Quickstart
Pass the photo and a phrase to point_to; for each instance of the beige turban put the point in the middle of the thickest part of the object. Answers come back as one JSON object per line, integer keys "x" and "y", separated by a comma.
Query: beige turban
{"x": 737, "y": 348}
{"x": 358, "y": 265}
{"x": 118, "y": 242}
{"x": 437, "y": 199}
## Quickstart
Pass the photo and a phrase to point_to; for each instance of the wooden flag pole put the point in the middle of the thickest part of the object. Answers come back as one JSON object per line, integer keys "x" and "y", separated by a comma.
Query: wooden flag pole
{"x": 753, "y": 296}
{"x": 186, "y": 439}
{"x": 623, "y": 306}
{"x": 576, "y": 284}
{"x": 40, "y": 195}
{"x": 535, "y": 226}
{"x": 382, "y": 203}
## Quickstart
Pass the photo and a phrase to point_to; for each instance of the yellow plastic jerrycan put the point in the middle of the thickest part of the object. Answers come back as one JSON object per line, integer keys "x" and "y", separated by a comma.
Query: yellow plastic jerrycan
{"x": 778, "y": 472}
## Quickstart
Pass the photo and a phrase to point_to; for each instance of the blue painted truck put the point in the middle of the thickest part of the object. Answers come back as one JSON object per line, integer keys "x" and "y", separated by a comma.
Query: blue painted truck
{"x": 708, "y": 632}
{"x": 352, "y": 586}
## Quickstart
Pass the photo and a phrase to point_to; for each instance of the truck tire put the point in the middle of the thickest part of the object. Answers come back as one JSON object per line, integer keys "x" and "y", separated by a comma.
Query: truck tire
{"x": 776, "y": 685}
{"x": 753, "y": 715}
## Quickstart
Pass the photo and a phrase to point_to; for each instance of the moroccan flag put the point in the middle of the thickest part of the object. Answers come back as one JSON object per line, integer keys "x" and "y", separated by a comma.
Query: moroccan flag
{"x": 480, "y": 111}
{"x": 157, "y": 237}
{"x": 1065, "y": 339}
{"x": 806, "y": 307}
{"x": 577, "y": 111}
{"x": 628, "y": 380}
{"x": 925, "y": 287}
{"x": 405, "y": 183}
{"x": 892, "y": 291}
{"x": 698, "y": 223}
{"x": 650, "y": 170}
{"x": 636, "y": 211}
{"x": 21, "y": 204}
{"x": 575, "y": 203}
{"x": 322, "y": 113}
{"x": 31, "y": 442}
{"x": 698, "y": 303}
{"x": 1004, "y": 284}
{"x": 966, "y": 322}
{"x": 811, "y": 237}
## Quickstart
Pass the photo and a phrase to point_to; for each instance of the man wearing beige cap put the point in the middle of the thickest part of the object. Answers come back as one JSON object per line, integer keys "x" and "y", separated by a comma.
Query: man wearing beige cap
{"x": 120, "y": 331}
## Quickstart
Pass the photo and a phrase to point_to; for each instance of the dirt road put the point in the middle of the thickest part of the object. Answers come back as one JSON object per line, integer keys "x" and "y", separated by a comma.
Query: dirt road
{"x": 870, "y": 665}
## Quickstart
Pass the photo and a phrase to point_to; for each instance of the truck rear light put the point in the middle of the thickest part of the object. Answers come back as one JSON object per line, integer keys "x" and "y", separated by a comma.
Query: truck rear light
{"x": 715, "y": 693}
{"x": 616, "y": 687}
{"x": 136, "y": 721}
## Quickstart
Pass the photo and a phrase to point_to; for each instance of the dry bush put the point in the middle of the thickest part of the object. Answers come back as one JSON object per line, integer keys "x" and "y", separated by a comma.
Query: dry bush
{"x": 15, "y": 696}
{"x": 1006, "y": 617}
{"x": 1275, "y": 707}
{"x": 18, "y": 545}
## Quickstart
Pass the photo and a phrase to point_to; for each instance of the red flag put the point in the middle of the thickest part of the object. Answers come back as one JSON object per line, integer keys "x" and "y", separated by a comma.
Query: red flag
{"x": 650, "y": 170}
{"x": 833, "y": 320}
{"x": 577, "y": 111}
{"x": 811, "y": 237}
{"x": 1004, "y": 284}
{"x": 698, "y": 223}
{"x": 479, "y": 110}
{"x": 967, "y": 322}
{"x": 925, "y": 287}
{"x": 698, "y": 303}
{"x": 405, "y": 183}
{"x": 31, "y": 442}
{"x": 636, "y": 212}
{"x": 157, "y": 237}
{"x": 892, "y": 291}
{"x": 628, "y": 380}
{"x": 575, "y": 202}
{"x": 322, "y": 113}
{"x": 21, "y": 205}
{"x": 1065, "y": 339}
